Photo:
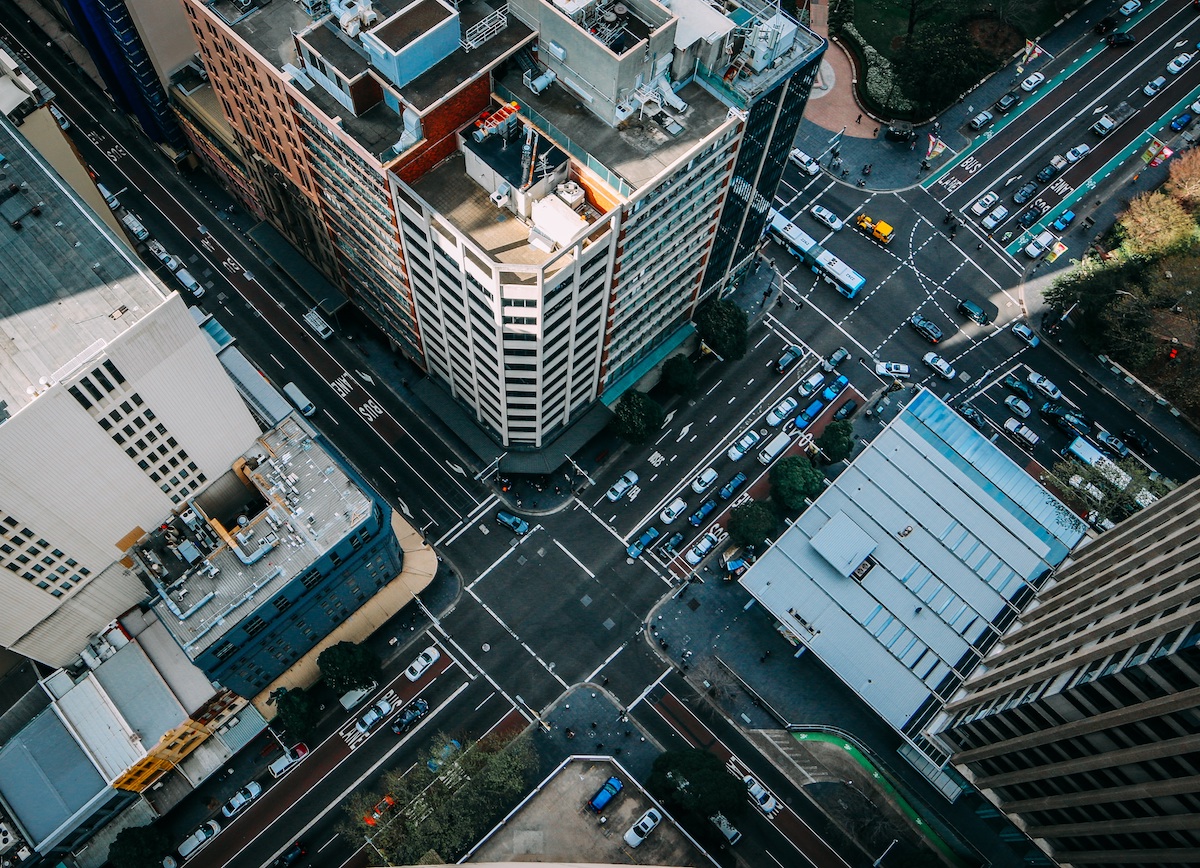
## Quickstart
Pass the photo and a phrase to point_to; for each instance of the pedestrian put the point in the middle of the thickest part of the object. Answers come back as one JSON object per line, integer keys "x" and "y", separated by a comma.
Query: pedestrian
{"x": 913, "y": 146}
{"x": 858, "y": 120}
{"x": 875, "y": 132}
{"x": 762, "y": 659}
{"x": 845, "y": 172}
{"x": 768, "y": 654}
{"x": 862, "y": 182}
{"x": 771, "y": 263}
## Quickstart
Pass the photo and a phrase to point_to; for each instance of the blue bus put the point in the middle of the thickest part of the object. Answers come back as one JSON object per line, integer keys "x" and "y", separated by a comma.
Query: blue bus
{"x": 804, "y": 247}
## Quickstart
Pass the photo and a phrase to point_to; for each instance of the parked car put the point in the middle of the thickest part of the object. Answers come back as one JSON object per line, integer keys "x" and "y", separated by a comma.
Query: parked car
{"x": 808, "y": 414}
{"x": 408, "y": 718}
{"x": 627, "y": 481}
{"x": 1182, "y": 121}
{"x": 1025, "y": 192}
{"x": 673, "y": 510}
{"x": 607, "y": 792}
{"x": 940, "y": 366}
{"x": 895, "y": 370}
{"x": 759, "y": 795}
{"x": 1014, "y": 384}
{"x": 846, "y": 410}
{"x": 1025, "y": 333}
{"x": 1031, "y": 216}
{"x": 827, "y": 217}
{"x": 984, "y": 202}
{"x": 732, "y": 485}
{"x": 1044, "y": 385}
{"x": 193, "y": 842}
{"x": 998, "y": 215}
{"x": 790, "y": 356}
{"x": 807, "y": 164}
{"x": 1018, "y": 407}
{"x": 744, "y": 444}
{"x": 704, "y": 481}
{"x": 1050, "y": 170}
{"x": 697, "y": 518}
{"x": 1121, "y": 40}
{"x": 242, "y": 799}
{"x": 926, "y": 328}
{"x": 448, "y": 750}
{"x": 374, "y": 716}
{"x": 1155, "y": 86}
{"x": 645, "y": 824}
{"x": 421, "y": 664}
{"x": 981, "y": 120}
{"x": 1008, "y": 102}
{"x": 811, "y": 383}
{"x": 1033, "y": 82}
{"x": 1111, "y": 444}
{"x": 518, "y": 526}
{"x": 671, "y": 546}
{"x": 290, "y": 757}
{"x": 834, "y": 389}
{"x": 1063, "y": 221}
{"x": 639, "y": 545}
{"x": 973, "y": 416}
{"x": 835, "y": 358}
{"x": 781, "y": 411}
{"x": 1180, "y": 63}
{"x": 701, "y": 549}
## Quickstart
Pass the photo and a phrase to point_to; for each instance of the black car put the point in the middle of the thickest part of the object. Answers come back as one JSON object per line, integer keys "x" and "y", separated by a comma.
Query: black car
{"x": 1121, "y": 40}
{"x": 290, "y": 856}
{"x": 901, "y": 132}
{"x": 925, "y": 328}
{"x": 671, "y": 546}
{"x": 1031, "y": 216}
{"x": 1026, "y": 192}
{"x": 1016, "y": 384}
{"x": 1070, "y": 421}
{"x": 411, "y": 714}
{"x": 1138, "y": 442}
{"x": 1008, "y": 102}
{"x": 973, "y": 416}
{"x": 727, "y": 491}
{"x": 846, "y": 410}
{"x": 1106, "y": 25}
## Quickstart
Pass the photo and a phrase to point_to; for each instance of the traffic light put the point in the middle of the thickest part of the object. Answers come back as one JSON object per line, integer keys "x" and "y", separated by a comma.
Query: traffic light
{"x": 1173, "y": 355}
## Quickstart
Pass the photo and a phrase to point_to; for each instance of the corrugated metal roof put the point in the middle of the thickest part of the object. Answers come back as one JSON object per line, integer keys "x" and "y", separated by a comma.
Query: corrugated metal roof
{"x": 843, "y": 543}
{"x": 140, "y": 694}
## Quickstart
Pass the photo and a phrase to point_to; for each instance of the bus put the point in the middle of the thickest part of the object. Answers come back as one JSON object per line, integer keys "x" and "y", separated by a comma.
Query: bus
{"x": 804, "y": 247}
{"x": 1086, "y": 453}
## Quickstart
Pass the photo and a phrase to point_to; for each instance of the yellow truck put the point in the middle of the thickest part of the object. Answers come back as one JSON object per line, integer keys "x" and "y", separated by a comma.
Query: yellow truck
{"x": 877, "y": 229}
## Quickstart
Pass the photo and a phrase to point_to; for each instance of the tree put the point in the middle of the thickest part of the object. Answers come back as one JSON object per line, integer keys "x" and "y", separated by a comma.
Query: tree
{"x": 297, "y": 713}
{"x": 938, "y": 64}
{"x": 724, "y": 327}
{"x": 1154, "y": 223}
{"x": 794, "y": 480}
{"x": 637, "y": 417}
{"x": 349, "y": 666}
{"x": 1127, "y": 330}
{"x": 679, "y": 375}
{"x": 1183, "y": 180}
{"x": 919, "y": 11}
{"x": 1103, "y": 488}
{"x": 751, "y": 523}
{"x": 139, "y": 847}
{"x": 696, "y": 782}
{"x": 837, "y": 440}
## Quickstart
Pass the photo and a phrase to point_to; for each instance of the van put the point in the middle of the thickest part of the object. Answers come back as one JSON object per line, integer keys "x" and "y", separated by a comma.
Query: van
{"x": 109, "y": 199}
{"x": 190, "y": 283}
{"x": 305, "y": 406}
{"x": 726, "y": 828}
{"x": 135, "y": 227}
{"x": 1038, "y": 246}
{"x": 972, "y": 311}
{"x": 317, "y": 323}
{"x": 1021, "y": 433}
{"x": 199, "y": 838}
{"x": 352, "y": 698}
{"x": 605, "y": 794}
{"x": 774, "y": 449}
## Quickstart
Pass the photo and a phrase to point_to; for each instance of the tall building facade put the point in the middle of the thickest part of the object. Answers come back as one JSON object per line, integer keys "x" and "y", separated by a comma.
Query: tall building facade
{"x": 1084, "y": 723}
{"x": 524, "y": 197}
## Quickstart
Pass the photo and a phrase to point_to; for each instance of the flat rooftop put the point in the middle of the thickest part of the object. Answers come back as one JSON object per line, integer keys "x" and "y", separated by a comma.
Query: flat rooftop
{"x": 68, "y": 286}
{"x": 300, "y": 506}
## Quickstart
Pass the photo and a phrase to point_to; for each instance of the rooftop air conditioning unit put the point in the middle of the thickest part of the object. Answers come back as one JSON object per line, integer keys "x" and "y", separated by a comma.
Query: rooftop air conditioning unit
{"x": 500, "y": 197}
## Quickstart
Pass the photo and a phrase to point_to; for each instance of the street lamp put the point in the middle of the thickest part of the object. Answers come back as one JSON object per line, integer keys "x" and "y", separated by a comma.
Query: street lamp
{"x": 879, "y": 861}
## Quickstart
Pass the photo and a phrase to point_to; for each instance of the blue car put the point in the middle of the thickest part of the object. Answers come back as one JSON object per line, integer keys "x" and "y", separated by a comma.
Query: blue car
{"x": 809, "y": 413}
{"x": 835, "y": 388}
{"x": 516, "y": 525}
{"x": 697, "y": 517}
{"x": 1181, "y": 122}
{"x": 1063, "y": 221}
{"x": 732, "y": 485}
{"x": 448, "y": 750}
{"x": 636, "y": 548}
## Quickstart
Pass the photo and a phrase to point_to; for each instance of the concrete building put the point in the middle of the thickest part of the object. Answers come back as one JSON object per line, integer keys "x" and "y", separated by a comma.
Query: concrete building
{"x": 1083, "y": 723}
{"x": 909, "y": 566}
{"x": 529, "y": 199}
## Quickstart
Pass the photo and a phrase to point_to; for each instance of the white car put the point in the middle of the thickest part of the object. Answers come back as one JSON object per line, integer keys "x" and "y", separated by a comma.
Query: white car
{"x": 646, "y": 824}
{"x": 1032, "y": 83}
{"x": 1077, "y": 153}
{"x": 994, "y": 219}
{"x": 421, "y": 665}
{"x": 242, "y": 799}
{"x": 811, "y": 384}
{"x": 1025, "y": 333}
{"x": 807, "y": 164}
{"x": 698, "y": 552}
{"x": 673, "y": 510}
{"x": 161, "y": 254}
{"x": 1176, "y": 66}
{"x": 986, "y": 201}
{"x": 1130, "y": 7}
{"x": 782, "y": 410}
{"x": 745, "y": 444}
{"x": 827, "y": 217}
{"x": 1017, "y": 406}
{"x": 1155, "y": 86}
{"x": 1044, "y": 385}
{"x": 895, "y": 370}
{"x": 765, "y": 801}
{"x": 940, "y": 366}
{"x": 622, "y": 485}
{"x": 702, "y": 482}
{"x": 374, "y": 716}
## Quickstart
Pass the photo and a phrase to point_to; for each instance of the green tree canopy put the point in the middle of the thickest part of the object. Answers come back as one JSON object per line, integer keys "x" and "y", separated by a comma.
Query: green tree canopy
{"x": 298, "y": 713}
{"x": 793, "y": 480}
{"x": 349, "y": 666}
{"x": 696, "y": 782}
{"x": 724, "y": 327}
{"x": 1154, "y": 222}
{"x": 637, "y": 417}
{"x": 940, "y": 63}
{"x": 679, "y": 375}
{"x": 139, "y": 847}
{"x": 751, "y": 523}
{"x": 837, "y": 440}
{"x": 1099, "y": 489}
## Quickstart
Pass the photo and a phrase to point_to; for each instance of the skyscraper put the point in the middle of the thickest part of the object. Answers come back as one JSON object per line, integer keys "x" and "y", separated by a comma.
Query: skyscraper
{"x": 1083, "y": 724}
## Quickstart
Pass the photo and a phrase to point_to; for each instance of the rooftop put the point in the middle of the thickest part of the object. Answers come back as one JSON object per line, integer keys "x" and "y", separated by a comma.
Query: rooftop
{"x": 68, "y": 286}
{"x": 249, "y": 534}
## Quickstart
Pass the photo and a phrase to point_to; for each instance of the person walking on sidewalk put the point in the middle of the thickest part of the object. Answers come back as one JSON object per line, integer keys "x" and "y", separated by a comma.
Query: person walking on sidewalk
{"x": 858, "y": 120}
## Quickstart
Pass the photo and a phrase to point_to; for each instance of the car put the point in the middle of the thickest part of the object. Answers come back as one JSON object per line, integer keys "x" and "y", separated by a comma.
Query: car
{"x": 1111, "y": 444}
{"x": 639, "y": 545}
{"x": 1040, "y": 244}
{"x": 811, "y": 384}
{"x": 1195, "y": 107}
{"x": 59, "y": 117}
{"x": 1032, "y": 216}
{"x": 1025, "y": 333}
{"x": 973, "y": 416}
{"x": 744, "y": 444}
{"x": 973, "y": 311}
{"x": 671, "y": 546}
{"x": 895, "y": 370}
{"x": 421, "y": 664}
{"x": 290, "y": 856}
{"x": 759, "y": 795}
{"x": 1022, "y": 434}
{"x": 731, "y": 486}
{"x": 984, "y": 202}
{"x": 835, "y": 388}
{"x": 790, "y": 356}
{"x": 1072, "y": 425}
{"x": 981, "y": 120}
{"x": 374, "y": 716}
{"x": 1018, "y": 407}
{"x": 518, "y": 526}
{"x": 701, "y": 549}
{"x": 160, "y": 253}
{"x": 1180, "y": 62}
{"x": 607, "y": 792}
{"x": 646, "y": 824}
{"x": 1106, "y": 25}
{"x": 1032, "y": 83}
{"x": 807, "y": 164}
{"x": 835, "y": 358}
{"x": 940, "y": 366}
{"x": 1138, "y": 442}
{"x": 1121, "y": 40}
{"x": 448, "y": 750}
{"x": 926, "y": 328}
{"x": 808, "y": 414}
{"x": 408, "y": 718}
{"x": 697, "y": 518}
{"x": 1063, "y": 221}
{"x": 290, "y": 757}
{"x": 1078, "y": 152}
{"x": 242, "y": 799}
{"x": 827, "y": 217}
{"x": 372, "y": 817}
{"x": 1155, "y": 86}
{"x": 781, "y": 411}
{"x": 673, "y": 510}
{"x": 193, "y": 842}
{"x": 1056, "y": 165}
{"x": 704, "y": 481}
{"x": 846, "y": 410}
{"x": 627, "y": 481}
{"x": 1008, "y": 102}
{"x": 1182, "y": 121}
{"x": 1044, "y": 385}
{"x": 1130, "y": 7}
{"x": 998, "y": 215}
{"x": 1025, "y": 193}
{"x": 1014, "y": 384}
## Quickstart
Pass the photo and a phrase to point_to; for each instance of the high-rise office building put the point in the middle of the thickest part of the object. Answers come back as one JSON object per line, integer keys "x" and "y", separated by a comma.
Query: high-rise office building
{"x": 1083, "y": 724}
{"x": 529, "y": 199}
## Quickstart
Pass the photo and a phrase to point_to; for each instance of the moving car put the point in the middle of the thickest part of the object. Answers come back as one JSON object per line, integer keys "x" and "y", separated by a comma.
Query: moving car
{"x": 1025, "y": 333}
{"x": 1018, "y": 407}
{"x": 1106, "y": 25}
{"x": 697, "y": 518}
{"x": 1032, "y": 83}
{"x": 448, "y": 750}
{"x": 807, "y": 164}
{"x": 1025, "y": 193}
{"x": 835, "y": 358}
{"x": 290, "y": 856}
{"x": 744, "y": 444}
{"x": 639, "y": 545}
{"x": 1155, "y": 86}
{"x": 698, "y": 552}
{"x": 1014, "y": 384}
{"x": 516, "y": 525}
{"x": 1056, "y": 165}
{"x": 1121, "y": 40}
{"x": 1077, "y": 153}
{"x": 646, "y": 824}
{"x": 1063, "y": 221}
{"x": 1130, "y": 7}
{"x": 973, "y": 416}
{"x": 758, "y": 793}
{"x": 1021, "y": 433}
{"x": 981, "y": 120}
{"x": 811, "y": 384}
{"x": 627, "y": 481}
{"x": 998, "y": 215}
{"x": 926, "y": 328}
{"x": 1044, "y": 385}
{"x": 1138, "y": 442}
{"x": 973, "y": 312}
{"x": 895, "y": 370}
{"x": 940, "y": 366}
{"x": 374, "y": 716}
{"x": 702, "y": 482}
{"x": 242, "y": 799}
{"x": 790, "y": 356}
{"x": 732, "y": 485}
{"x": 1177, "y": 65}
{"x": 779, "y": 413}
{"x": 421, "y": 664}
{"x": 827, "y": 217}
{"x": 1111, "y": 444}
{"x": 984, "y": 202}
{"x": 1008, "y": 102}
{"x": 673, "y": 510}
{"x": 408, "y": 718}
